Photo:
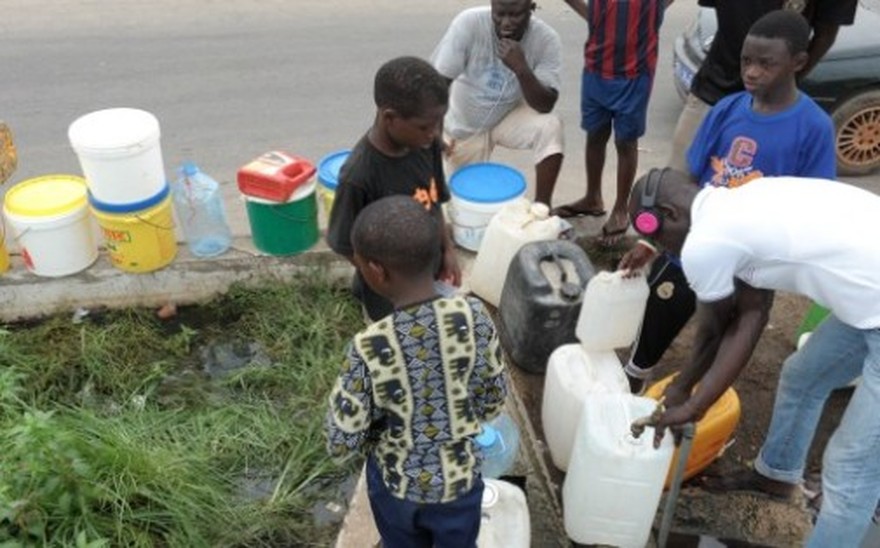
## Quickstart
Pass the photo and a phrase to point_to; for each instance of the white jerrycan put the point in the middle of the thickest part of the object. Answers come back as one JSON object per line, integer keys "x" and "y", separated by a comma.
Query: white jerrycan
{"x": 614, "y": 480}
{"x": 516, "y": 224}
{"x": 612, "y": 311}
{"x": 505, "y": 520}
{"x": 573, "y": 375}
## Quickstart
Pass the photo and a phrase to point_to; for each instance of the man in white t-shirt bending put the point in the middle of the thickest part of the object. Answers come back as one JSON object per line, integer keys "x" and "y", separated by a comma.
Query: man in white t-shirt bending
{"x": 808, "y": 236}
{"x": 504, "y": 66}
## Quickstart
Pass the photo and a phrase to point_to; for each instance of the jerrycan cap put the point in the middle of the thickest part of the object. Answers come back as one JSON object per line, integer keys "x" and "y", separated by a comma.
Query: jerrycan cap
{"x": 490, "y": 495}
{"x": 188, "y": 169}
{"x": 488, "y": 436}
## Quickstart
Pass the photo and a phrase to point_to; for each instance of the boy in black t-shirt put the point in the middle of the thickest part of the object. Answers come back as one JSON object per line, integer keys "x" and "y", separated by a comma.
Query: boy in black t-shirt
{"x": 400, "y": 154}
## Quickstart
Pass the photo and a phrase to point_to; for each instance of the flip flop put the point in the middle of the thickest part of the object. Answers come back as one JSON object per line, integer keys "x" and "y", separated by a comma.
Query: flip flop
{"x": 749, "y": 481}
{"x": 610, "y": 238}
{"x": 569, "y": 211}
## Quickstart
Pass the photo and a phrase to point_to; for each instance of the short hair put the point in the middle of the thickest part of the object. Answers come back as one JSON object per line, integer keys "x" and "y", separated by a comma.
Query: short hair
{"x": 409, "y": 85}
{"x": 398, "y": 233}
{"x": 788, "y": 25}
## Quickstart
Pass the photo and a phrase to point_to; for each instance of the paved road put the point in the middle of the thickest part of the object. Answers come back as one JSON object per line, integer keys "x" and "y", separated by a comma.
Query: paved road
{"x": 229, "y": 80}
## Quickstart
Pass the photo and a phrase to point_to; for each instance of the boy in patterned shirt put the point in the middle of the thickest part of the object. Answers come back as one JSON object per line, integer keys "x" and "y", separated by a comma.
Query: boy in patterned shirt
{"x": 416, "y": 385}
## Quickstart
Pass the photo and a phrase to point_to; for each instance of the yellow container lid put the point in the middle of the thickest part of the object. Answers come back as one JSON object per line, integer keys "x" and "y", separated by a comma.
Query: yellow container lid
{"x": 47, "y": 196}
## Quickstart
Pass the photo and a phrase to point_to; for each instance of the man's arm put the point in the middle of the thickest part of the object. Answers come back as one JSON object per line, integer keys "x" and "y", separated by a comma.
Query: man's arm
{"x": 824, "y": 35}
{"x": 538, "y": 96}
{"x": 579, "y": 7}
{"x": 727, "y": 333}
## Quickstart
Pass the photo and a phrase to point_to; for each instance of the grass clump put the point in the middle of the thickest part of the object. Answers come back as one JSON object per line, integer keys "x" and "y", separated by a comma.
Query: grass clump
{"x": 112, "y": 434}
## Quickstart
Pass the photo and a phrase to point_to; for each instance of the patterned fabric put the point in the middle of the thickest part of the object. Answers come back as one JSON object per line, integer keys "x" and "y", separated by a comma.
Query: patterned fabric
{"x": 414, "y": 389}
{"x": 623, "y": 37}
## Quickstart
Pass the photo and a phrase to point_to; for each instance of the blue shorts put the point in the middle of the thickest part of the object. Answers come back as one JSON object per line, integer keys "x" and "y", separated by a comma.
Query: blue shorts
{"x": 620, "y": 100}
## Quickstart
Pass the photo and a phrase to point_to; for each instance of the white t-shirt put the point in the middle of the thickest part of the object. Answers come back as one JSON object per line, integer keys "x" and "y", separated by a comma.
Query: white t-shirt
{"x": 814, "y": 237}
{"x": 484, "y": 89}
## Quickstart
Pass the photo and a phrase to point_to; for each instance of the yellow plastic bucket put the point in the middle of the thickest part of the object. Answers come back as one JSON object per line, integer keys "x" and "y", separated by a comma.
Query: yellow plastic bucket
{"x": 139, "y": 237}
{"x": 48, "y": 218}
{"x": 4, "y": 253}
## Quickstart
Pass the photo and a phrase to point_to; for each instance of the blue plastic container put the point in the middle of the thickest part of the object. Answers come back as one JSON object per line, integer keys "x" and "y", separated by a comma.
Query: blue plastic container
{"x": 499, "y": 444}
{"x": 478, "y": 192}
{"x": 200, "y": 210}
{"x": 328, "y": 178}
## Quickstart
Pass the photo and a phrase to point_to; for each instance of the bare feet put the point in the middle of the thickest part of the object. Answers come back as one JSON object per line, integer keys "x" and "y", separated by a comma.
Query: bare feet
{"x": 614, "y": 229}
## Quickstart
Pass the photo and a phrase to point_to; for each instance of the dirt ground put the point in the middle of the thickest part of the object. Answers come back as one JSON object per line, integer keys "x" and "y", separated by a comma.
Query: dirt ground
{"x": 741, "y": 518}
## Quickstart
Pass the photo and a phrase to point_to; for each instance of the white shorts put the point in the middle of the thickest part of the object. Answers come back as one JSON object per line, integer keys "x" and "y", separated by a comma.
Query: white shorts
{"x": 522, "y": 129}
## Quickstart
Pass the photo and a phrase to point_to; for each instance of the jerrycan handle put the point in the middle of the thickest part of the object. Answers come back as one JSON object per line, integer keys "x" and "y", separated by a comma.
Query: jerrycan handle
{"x": 300, "y": 171}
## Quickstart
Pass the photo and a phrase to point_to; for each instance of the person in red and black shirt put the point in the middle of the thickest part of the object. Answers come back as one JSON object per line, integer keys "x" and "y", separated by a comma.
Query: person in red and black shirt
{"x": 619, "y": 61}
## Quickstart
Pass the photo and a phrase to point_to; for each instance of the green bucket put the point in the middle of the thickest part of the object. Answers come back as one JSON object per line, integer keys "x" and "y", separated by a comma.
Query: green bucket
{"x": 284, "y": 228}
{"x": 812, "y": 319}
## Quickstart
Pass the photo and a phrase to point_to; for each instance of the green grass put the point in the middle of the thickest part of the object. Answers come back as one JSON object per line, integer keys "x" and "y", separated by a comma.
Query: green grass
{"x": 112, "y": 435}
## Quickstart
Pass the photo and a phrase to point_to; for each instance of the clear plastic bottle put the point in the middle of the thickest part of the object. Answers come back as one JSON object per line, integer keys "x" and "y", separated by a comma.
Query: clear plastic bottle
{"x": 200, "y": 210}
{"x": 499, "y": 442}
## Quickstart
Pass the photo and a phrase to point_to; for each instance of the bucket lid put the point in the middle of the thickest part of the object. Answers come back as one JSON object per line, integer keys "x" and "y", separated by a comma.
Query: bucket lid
{"x": 487, "y": 182}
{"x": 131, "y": 206}
{"x": 329, "y": 166}
{"x": 112, "y": 129}
{"x": 46, "y": 196}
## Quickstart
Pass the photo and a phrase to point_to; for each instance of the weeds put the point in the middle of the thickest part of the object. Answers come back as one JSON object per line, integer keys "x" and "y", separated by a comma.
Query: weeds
{"x": 111, "y": 435}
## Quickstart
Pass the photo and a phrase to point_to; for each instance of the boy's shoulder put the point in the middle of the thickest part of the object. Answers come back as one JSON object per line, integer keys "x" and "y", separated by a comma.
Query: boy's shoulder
{"x": 440, "y": 306}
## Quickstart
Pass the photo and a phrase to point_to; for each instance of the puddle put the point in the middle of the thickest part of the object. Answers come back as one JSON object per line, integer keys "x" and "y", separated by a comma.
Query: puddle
{"x": 221, "y": 359}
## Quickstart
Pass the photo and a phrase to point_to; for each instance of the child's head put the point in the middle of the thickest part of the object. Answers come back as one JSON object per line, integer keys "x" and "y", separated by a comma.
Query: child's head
{"x": 773, "y": 52}
{"x": 395, "y": 239}
{"x": 412, "y": 98}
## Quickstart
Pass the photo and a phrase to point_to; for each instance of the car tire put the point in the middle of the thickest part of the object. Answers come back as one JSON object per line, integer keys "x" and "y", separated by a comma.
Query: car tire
{"x": 857, "y": 133}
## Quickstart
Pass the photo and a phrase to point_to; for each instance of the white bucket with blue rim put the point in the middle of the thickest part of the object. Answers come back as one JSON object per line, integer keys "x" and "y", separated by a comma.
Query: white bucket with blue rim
{"x": 478, "y": 192}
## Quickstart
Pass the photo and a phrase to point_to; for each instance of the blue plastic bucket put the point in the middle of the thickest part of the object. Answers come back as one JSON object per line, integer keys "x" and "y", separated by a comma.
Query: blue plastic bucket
{"x": 478, "y": 192}
{"x": 328, "y": 178}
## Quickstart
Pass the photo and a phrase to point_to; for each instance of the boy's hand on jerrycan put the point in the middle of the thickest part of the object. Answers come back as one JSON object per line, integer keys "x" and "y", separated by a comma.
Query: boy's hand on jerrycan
{"x": 636, "y": 259}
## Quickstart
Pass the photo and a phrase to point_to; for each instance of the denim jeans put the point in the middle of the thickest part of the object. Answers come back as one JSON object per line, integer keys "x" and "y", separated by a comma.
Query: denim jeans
{"x": 834, "y": 355}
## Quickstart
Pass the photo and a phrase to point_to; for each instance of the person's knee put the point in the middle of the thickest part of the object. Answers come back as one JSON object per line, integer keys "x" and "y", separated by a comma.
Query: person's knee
{"x": 549, "y": 139}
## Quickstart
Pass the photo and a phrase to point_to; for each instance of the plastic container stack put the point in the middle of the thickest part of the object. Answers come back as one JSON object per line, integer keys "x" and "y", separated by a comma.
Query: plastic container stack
{"x": 279, "y": 193}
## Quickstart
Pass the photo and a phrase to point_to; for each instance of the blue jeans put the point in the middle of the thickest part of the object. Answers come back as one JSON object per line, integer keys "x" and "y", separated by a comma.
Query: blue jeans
{"x": 834, "y": 355}
{"x": 405, "y": 524}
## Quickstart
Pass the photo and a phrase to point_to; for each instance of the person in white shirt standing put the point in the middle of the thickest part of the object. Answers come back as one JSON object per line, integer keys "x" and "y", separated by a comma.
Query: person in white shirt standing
{"x": 813, "y": 237}
{"x": 504, "y": 66}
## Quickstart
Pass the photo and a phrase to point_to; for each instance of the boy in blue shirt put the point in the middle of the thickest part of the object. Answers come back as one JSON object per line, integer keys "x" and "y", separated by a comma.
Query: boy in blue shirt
{"x": 416, "y": 385}
{"x": 769, "y": 129}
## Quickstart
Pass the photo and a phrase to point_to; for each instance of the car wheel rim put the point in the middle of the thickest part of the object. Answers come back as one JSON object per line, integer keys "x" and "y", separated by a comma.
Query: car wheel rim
{"x": 858, "y": 141}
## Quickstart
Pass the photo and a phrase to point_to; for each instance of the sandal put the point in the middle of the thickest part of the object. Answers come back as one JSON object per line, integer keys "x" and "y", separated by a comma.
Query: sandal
{"x": 749, "y": 481}
{"x": 569, "y": 211}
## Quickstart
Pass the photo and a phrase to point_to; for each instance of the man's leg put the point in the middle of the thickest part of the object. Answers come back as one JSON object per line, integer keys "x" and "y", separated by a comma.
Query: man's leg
{"x": 526, "y": 129}
{"x": 630, "y": 108}
{"x": 461, "y": 152}
{"x": 689, "y": 121}
{"x": 831, "y": 358}
{"x": 851, "y": 463}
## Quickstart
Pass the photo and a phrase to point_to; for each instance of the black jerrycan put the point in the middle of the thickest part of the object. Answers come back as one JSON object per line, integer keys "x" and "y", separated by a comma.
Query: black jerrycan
{"x": 541, "y": 300}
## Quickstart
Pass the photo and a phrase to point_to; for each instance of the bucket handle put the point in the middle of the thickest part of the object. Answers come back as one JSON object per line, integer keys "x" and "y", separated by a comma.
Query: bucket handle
{"x": 154, "y": 225}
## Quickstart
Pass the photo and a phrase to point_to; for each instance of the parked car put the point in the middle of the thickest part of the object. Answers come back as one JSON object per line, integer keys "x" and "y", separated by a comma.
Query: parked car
{"x": 846, "y": 82}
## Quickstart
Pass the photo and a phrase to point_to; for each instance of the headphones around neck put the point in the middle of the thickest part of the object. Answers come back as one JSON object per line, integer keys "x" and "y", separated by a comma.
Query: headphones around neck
{"x": 648, "y": 220}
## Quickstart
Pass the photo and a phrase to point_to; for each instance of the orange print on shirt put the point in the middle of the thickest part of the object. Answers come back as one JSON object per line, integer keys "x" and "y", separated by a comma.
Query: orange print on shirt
{"x": 427, "y": 197}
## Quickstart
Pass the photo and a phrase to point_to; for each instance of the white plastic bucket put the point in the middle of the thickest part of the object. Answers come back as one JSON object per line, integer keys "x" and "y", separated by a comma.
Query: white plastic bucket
{"x": 612, "y": 311}
{"x": 614, "y": 480}
{"x": 573, "y": 375}
{"x": 48, "y": 217}
{"x": 505, "y": 516}
{"x": 119, "y": 152}
{"x": 478, "y": 192}
{"x": 514, "y": 224}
